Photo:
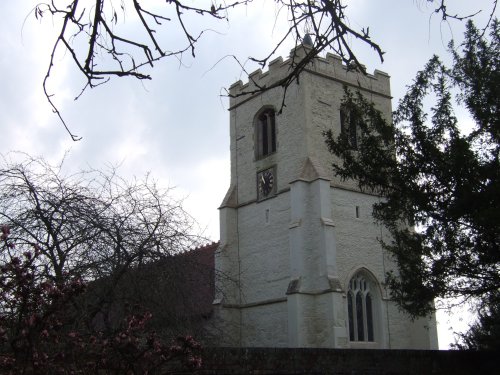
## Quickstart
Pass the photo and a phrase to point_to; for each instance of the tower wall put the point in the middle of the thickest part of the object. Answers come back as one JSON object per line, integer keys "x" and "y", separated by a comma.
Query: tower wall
{"x": 289, "y": 258}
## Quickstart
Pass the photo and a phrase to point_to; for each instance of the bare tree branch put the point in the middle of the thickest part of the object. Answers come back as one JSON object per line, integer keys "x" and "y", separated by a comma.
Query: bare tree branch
{"x": 111, "y": 53}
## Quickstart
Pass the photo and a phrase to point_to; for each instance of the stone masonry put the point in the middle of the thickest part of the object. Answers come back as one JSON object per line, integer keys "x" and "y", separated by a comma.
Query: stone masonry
{"x": 287, "y": 260}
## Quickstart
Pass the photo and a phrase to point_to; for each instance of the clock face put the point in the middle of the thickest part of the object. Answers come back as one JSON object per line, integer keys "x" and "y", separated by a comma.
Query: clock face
{"x": 265, "y": 182}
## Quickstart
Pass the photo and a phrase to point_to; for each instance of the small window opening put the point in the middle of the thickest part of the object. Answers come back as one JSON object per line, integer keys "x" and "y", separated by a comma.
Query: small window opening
{"x": 267, "y": 215}
{"x": 266, "y": 133}
{"x": 357, "y": 212}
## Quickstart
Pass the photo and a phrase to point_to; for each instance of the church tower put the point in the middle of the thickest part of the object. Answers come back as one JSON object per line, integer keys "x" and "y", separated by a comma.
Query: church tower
{"x": 299, "y": 262}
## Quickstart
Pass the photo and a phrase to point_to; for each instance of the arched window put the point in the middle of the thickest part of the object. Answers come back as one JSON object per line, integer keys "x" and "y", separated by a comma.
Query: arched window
{"x": 349, "y": 126}
{"x": 266, "y": 133}
{"x": 360, "y": 301}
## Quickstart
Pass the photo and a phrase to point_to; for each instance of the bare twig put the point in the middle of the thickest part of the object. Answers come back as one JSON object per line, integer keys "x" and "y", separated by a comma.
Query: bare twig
{"x": 111, "y": 53}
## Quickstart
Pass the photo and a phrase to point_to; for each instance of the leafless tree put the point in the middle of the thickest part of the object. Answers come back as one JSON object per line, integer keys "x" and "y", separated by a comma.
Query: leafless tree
{"x": 90, "y": 31}
{"x": 130, "y": 241}
{"x": 92, "y": 223}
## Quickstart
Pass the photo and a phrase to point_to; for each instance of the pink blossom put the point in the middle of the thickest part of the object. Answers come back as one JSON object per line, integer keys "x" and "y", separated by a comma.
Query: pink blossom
{"x": 5, "y": 231}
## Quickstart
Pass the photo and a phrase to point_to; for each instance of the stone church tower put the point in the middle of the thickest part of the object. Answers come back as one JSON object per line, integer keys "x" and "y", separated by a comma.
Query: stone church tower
{"x": 299, "y": 261}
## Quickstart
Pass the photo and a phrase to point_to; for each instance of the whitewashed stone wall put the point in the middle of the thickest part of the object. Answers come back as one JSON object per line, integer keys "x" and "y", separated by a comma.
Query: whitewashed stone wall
{"x": 287, "y": 260}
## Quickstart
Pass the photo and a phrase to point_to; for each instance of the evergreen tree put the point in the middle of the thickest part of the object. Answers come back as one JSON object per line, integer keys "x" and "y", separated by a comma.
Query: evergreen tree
{"x": 439, "y": 179}
{"x": 485, "y": 332}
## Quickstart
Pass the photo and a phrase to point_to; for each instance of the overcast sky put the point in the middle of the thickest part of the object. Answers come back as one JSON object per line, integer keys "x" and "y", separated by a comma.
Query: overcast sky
{"x": 176, "y": 126}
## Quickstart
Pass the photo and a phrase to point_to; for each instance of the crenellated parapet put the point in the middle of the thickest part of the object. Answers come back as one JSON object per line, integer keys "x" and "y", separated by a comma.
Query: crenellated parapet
{"x": 277, "y": 69}
{"x": 329, "y": 67}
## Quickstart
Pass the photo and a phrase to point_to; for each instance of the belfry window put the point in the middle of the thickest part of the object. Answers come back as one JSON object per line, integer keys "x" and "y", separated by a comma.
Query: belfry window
{"x": 360, "y": 309}
{"x": 349, "y": 126}
{"x": 266, "y": 133}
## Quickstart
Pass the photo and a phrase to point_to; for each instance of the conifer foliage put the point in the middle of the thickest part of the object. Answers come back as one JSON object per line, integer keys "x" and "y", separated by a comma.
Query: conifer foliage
{"x": 439, "y": 178}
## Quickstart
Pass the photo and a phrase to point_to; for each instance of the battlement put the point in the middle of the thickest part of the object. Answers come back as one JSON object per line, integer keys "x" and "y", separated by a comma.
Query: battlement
{"x": 330, "y": 67}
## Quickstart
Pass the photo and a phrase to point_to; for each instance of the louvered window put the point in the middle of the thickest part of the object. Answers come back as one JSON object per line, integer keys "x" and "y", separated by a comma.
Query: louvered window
{"x": 349, "y": 126}
{"x": 266, "y": 134}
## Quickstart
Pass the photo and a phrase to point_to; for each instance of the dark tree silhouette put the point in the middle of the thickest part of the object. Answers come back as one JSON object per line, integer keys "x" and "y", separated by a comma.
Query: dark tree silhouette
{"x": 439, "y": 180}
{"x": 106, "y": 231}
{"x": 91, "y": 223}
{"x": 69, "y": 247}
{"x": 41, "y": 331}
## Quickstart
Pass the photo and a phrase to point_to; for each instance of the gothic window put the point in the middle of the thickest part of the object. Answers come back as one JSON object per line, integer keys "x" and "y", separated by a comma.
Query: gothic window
{"x": 348, "y": 126}
{"x": 266, "y": 133}
{"x": 360, "y": 309}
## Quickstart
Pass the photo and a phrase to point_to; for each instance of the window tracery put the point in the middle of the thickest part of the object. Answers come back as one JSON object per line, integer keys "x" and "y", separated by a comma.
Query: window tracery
{"x": 360, "y": 301}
